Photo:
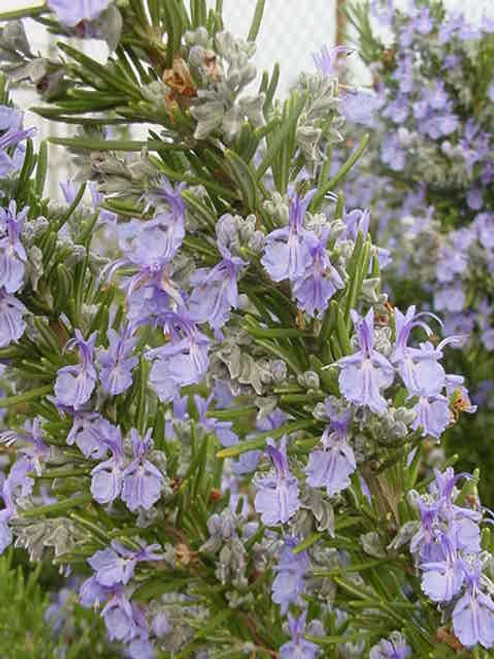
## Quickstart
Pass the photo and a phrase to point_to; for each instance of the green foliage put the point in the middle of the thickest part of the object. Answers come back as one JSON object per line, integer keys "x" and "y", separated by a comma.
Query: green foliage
{"x": 26, "y": 626}
{"x": 23, "y": 630}
{"x": 377, "y": 588}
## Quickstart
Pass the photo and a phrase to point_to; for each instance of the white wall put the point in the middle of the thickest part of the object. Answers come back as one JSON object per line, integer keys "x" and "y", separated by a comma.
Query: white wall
{"x": 291, "y": 31}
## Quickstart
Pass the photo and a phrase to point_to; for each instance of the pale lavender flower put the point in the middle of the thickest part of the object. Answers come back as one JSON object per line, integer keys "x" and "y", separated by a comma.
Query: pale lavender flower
{"x": 215, "y": 290}
{"x": 487, "y": 338}
{"x": 320, "y": 280}
{"x": 433, "y": 415}
{"x": 13, "y": 256}
{"x": 161, "y": 625}
{"x": 5, "y": 532}
{"x": 326, "y": 60}
{"x": 425, "y": 544}
{"x": 487, "y": 24}
{"x": 448, "y": 28}
{"x": 116, "y": 564}
{"x": 468, "y": 31}
{"x": 289, "y": 583}
{"x": 420, "y": 109}
{"x": 153, "y": 243}
{"x": 366, "y": 373}
{"x": 113, "y": 566}
{"x": 92, "y": 434}
{"x": 119, "y": 618}
{"x": 74, "y": 384}
{"x": 92, "y": 594}
{"x": 18, "y": 484}
{"x": 443, "y": 578}
{"x": 72, "y": 12}
{"x": 436, "y": 96}
{"x": 10, "y": 118}
{"x": 358, "y": 106}
{"x": 248, "y": 461}
{"x": 356, "y": 221}
{"x": 223, "y": 395}
{"x": 277, "y": 496}
{"x": 69, "y": 190}
{"x": 424, "y": 375}
{"x": 165, "y": 191}
{"x": 440, "y": 125}
{"x": 451, "y": 62}
{"x": 395, "y": 647}
{"x": 106, "y": 477}
{"x": 298, "y": 647}
{"x": 451, "y": 298}
{"x": 403, "y": 73}
{"x": 117, "y": 361}
{"x": 460, "y": 325}
{"x": 397, "y": 110}
{"x": 30, "y": 443}
{"x": 475, "y": 199}
{"x": 445, "y": 529}
{"x": 404, "y": 324}
{"x": 392, "y": 153}
{"x": 141, "y": 480}
{"x": 484, "y": 395}
{"x": 12, "y": 323}
{"x": 451, "y": 263}
{"x": 141, "y": 648}
{"x": 382, "y": 11}
{"x": 423, "y": 22}
{"x": 271, "y": 421}
{"x": 332, "y": 467}
{"x": 484, "y": 226}
{"x": 179, "y": 413}
{"x": 11, "y": 138}
{"x": 287, "y": 252}
{"x": 57, "y": 613}
{"x": 182, "y": 361}
{"x": 473, "y": 615}
{"x": 222, "y": 429}
{"x": 151, "y": 295}
{"x": 419, "y": 368}
{"x": 463, "y": 523}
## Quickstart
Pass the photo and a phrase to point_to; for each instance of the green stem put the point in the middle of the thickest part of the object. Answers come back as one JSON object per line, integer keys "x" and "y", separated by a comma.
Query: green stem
{"x": 28, "y": 395}
{"x": 256, "y": 21}
{"x": 59, "y": 507}
{"x": 24, "y": 12}
{"x": 260, "y": 441}
{"x": 331, "y": 184}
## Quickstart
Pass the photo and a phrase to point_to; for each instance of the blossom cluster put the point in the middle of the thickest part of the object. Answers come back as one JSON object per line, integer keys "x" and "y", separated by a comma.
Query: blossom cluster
{"x": 216, "y": 414}
{"x": 447, "y": 550}
{"x": 13, "y": 253}
{"x": 431, "y": 158}
{"x": 429, "y": 107}
{"x": 364, "y": 377}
